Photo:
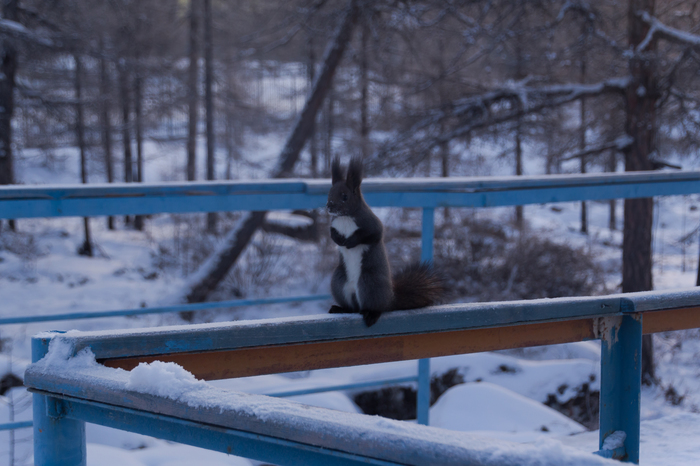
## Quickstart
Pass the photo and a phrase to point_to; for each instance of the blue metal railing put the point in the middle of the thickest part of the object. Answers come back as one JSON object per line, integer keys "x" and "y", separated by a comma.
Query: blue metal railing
{"x": 426, "y": 193}
{"x": 16, "y": 425}
{"x": 140, "y": 198}
{"x": 160, "y": 310}
{"x": 66, "y": 400}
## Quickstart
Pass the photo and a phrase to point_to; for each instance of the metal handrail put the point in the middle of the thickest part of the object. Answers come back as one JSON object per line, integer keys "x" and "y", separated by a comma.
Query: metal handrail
{"x": 160, "y": 310}
{"x": 427, "y": 193}
{"x": 226, "y": 349}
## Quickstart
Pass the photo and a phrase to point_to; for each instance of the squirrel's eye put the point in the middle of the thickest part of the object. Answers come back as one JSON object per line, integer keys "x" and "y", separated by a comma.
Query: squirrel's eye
{"x": 344, "y": 197}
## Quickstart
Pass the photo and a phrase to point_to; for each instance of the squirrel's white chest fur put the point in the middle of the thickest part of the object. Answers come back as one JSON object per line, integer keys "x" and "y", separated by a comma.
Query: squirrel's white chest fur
{"x": 352, "y": 258}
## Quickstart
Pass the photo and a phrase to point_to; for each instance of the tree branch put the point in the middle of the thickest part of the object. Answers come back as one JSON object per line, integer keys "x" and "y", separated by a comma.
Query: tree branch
{"x": 619, "y": 144}
{"x": 18, "y": 31}
{"x": 490, "y": 109}
{"x": 30, "y": 92}
{"x": 659, "y": 29}
{"x": 585, "y": 11}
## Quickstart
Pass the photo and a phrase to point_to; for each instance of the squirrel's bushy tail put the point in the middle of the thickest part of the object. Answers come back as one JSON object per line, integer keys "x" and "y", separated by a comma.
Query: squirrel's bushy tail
{"x": 417, "y": 285}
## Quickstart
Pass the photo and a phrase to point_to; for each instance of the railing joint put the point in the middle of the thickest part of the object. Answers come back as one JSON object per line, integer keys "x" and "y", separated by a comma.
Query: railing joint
{"x": 56, "y": 408}
{"x": 627, "y": 306}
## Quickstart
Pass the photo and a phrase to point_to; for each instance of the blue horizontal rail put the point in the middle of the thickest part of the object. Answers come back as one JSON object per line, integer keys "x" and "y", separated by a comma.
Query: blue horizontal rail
{"x": 16, "y": 425}
{"x": 141, "y": 198}
{"x": 321, "y": 328}
{"x": 285, "y": 394}
{"x": 349, "y": 386}
{"x": 161, "y": 310}
{"x": 266, "y": 448}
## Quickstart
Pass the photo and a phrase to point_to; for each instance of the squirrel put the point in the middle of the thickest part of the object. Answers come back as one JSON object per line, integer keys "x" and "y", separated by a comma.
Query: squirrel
{"x": 362, "y": 283}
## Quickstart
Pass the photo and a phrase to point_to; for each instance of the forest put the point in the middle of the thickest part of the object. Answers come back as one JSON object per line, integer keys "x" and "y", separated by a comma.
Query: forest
{"x": 145, "y": 91}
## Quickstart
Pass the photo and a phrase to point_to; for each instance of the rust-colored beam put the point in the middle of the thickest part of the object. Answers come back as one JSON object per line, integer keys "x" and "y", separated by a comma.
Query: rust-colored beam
{"x": 288, "y": 358}
{"x": 671, "y": 319}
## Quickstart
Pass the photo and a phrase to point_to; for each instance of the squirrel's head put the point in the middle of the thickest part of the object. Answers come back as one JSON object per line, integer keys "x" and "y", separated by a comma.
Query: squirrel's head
{"x": 345, "y": 197}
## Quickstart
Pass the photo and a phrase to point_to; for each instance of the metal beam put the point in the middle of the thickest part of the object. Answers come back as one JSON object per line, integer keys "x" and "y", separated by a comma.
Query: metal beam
{"x": 621, "y": 380}
{"x": 229, "y": 441}
{"x": 423, "y": 392}
{"x": 349, "y": 386}
{"x": 329, "y": 327}
{"x": 160, "y": 310}
{"x": 671, "y": 320}
{"x": 58, "y": 440}
{"x": 143, "y": 198}
{"x": 340, "y": 353}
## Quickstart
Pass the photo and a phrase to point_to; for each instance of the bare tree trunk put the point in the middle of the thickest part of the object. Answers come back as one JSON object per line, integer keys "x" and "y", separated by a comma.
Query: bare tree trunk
{"x": 86, "y": 248}
{"x": 126, "y": 123}
{"x": 697, "y": 280}
{"x": 8, "y": 69}
{"x": 105, "y": 107}
{"x": 582, "y": 145}
{"x": 364, "y": 90}
{"x": 519, "y": 74}
{"x": 612, "y": 167}
{"x": 518, "y": 169}
{"x": 209, "y": 102}
{"x": 193, "y": 91}
{"x": 230, "y": 136}
{"x": 240, "y": 237}
{"x": 330, "y": 106}
{"x": 582, "y": 133}
{"x": 550, "y": 154}
{"x": 641, "y": 96}
{"x": 138, "y": 120}
{"x": 311, "y": 75}
{"x": 444, "y": 145}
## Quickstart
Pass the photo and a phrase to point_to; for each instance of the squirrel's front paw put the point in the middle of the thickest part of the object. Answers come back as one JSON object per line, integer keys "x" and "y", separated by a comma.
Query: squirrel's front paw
{"x": 337, "y": 237}
{"x": 370, "y": 317}
{"x": 351, "y": 242}
{"x": 338, "y": 310}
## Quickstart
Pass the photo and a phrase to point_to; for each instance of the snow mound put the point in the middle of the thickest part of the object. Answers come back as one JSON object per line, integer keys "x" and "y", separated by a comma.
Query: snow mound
{"x": 614, "y": 440}
{"x": 165, "y": 379}
{"x": 489, "y": 407}
{"x": 537, "y": 380}
{"x": 61, "y": 354}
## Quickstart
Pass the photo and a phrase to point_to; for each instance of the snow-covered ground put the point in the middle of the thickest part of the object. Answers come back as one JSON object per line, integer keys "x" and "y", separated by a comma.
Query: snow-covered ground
{"x": 40, "y": 273}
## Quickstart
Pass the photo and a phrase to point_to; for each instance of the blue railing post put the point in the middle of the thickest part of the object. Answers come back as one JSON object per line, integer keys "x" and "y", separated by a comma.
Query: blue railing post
{"x": 423, "y": 396}
{"x": 58, "y": 441}
{"x": 621, "y": 379}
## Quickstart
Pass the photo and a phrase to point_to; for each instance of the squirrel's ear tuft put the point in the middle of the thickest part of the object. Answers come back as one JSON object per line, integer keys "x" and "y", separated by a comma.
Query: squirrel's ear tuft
{"x": 336, "y": 171}
{"x": 354, "y": 174}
